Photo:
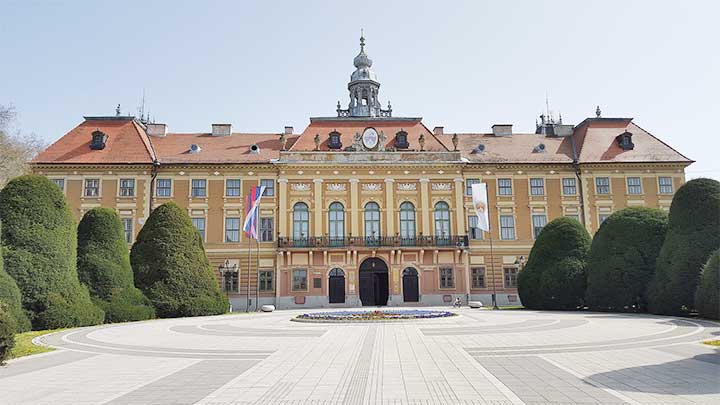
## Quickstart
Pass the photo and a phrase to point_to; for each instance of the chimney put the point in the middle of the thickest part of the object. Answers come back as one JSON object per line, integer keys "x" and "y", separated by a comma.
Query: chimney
{"x": 288, "y": 130}
{"x": 221, "y": 129}
{"x": 438, "y": 130}
{"x": 502, "y": 129}
{"x": 156, "y": 129}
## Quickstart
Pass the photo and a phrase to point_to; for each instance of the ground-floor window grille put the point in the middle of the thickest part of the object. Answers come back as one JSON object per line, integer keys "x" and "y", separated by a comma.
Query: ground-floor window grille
{"x": 230, "y": 283}
{"x": 266, "y": 281}
{"x": 510, "y": 274}
{"x": 447, "y": 277}
{"x": 478, "y": 277}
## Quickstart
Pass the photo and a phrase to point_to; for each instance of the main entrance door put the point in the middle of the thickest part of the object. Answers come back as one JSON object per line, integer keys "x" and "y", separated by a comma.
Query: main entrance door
{"x": 336, "y": 286}
{"x": 411, "y": 291}
{"x": 373, "y": 282}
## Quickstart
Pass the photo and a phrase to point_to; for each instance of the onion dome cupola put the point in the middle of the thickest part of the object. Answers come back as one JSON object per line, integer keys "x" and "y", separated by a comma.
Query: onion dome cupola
{"x": 364, "y": 89}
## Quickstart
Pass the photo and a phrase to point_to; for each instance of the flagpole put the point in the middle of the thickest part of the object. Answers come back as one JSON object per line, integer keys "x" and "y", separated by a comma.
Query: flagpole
{"x": 257, "y": 275}
{"x": 492, "y": 269}
{"x": 247, "y": 306}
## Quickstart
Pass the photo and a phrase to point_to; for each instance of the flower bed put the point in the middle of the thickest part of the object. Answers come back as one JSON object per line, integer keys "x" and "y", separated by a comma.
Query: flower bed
{"x": 372, "y": 316}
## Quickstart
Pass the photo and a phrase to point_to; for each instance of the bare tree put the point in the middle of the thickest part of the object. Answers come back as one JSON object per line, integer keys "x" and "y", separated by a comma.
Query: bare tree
{"x": 16, "y": 150}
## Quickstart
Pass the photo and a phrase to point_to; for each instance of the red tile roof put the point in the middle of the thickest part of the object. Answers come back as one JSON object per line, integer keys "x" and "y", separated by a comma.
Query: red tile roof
{"x": 517, "y": 148}
{"x": 126, "y": 144}
{"x": 235, "y": 148}
{"x": 349, "y": 127}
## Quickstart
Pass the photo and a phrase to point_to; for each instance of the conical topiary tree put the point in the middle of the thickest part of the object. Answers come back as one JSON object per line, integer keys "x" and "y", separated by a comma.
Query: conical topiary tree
{"x": 707, "y": 298}
{"x": 692, "y": 236}
{"x": 12, "y": 299}
{"x": 622, "y": 258}
{"x": 171, "y": 268}
{"x": 554, "y": 276}
{"x": 103, "y": 264}
{"x": 40, "y": 242}
{"x": 7, "y": 332}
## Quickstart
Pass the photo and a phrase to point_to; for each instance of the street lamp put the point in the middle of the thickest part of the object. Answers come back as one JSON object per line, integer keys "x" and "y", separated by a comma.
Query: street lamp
{"x": 226, "y": 271}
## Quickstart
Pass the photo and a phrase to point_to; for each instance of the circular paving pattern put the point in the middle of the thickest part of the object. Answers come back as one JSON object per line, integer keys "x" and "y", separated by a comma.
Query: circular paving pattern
{"x": 372, "y": 316}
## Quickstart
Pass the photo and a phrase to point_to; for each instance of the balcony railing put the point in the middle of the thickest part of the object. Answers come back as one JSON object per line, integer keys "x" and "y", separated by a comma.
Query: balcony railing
{"x": 453, "y": 241}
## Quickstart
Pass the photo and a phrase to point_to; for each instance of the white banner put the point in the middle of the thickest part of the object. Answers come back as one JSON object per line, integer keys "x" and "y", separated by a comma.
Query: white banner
{"x": 480, "y": 202}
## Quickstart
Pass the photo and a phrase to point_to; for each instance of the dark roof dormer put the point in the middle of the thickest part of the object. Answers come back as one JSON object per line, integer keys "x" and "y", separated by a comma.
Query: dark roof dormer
{"x": 401, "y": 140}
{"x": 624, "y": 140}
{"x": 98, "y": 140}
{"x": 334, "y": 140}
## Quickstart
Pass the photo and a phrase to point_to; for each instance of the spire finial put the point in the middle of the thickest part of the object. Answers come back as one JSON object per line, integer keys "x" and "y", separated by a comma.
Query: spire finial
{"x": 598, "y": 113}
{"x": 117, "y": 110}
{"x": 362, "y": 40}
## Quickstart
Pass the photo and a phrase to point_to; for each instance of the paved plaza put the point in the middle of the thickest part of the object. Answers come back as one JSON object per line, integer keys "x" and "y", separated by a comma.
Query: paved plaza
{"x": 478, "y": 357}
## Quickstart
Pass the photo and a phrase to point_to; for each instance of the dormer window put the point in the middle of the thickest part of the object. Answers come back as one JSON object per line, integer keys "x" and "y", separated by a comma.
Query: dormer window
{"x": 401, "y": 140}
{"x": 98, "y": 140}
{"x": 334, "y": 140}
{"x": 624, "y": 140}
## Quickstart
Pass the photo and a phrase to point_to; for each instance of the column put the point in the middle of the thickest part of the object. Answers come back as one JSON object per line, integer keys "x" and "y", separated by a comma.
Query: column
{"x": 459, "y": 207}
{"x": 317, "y": 227}
{"x": 282, "y": 207}
{"x": 425, "y": 206}
{"x": 354, "y": 207}
{"x": 390, "y": 207}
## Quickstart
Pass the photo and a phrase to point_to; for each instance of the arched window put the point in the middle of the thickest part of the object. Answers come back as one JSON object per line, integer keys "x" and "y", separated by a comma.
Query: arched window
{"x": 372, "y": 224}
{"x": 407, "y": 224}
{"x": 301, "y": 224}
{"x": 336, "y": 221}
{"x": 442, "y": 222}
{"x": 337, "y": 272}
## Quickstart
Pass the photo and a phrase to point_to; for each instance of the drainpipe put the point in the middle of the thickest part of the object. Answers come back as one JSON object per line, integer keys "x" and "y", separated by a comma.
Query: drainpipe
{"x": 153, "y": 175}
{"x": 576, "y": 166}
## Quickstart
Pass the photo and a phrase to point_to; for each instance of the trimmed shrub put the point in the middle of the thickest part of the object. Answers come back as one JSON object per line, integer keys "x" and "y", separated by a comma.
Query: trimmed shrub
{"x": 103, "y": 264}
{"x": 171, "y": 267}
{"x": 693, "y": 234}
{"x": 40, "y": 254}
{"x": 554, "y": 276}
{"x": 707, "y": 298}
{"x": 11, "y": 297}
{"x": 622, "y": 259}
{"x": 7, "y": 333}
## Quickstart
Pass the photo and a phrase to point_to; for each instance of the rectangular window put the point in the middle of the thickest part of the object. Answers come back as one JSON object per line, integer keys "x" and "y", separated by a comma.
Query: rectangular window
{"x": 510, "y": 277}
{"x": 60, "y": 183}
{"x": 266, "y": 229}
{"x": 231, "y": 281}
{"x": 127, "y": 224}
{"x": 199, "y": 224}
{"x": 468, "y": 185}
{"x": 478, "y": 277}
{"x": 269, "y": 187}
{"x": 447, "y": 277}
{"x": 163, "y": 187}
{"x": 317, "y": 282}
{"x": 666, "y": 186}
{"x": 504, "y": 186}
{"x": 569, "y": 186}
{"x": 634, "y": 185}
{"x": 92, "y": 188}
{"x": 537, "y": 186}
{"x": 198, "y": 188}
{"x": 602, "y": 217}
{"x": 602, "y": 185}
{"x": 507, "y": 227}
{"x": 475, "y": 232}
{"x": 575, "y": 217}
{"x": 232, "y": 188}
{"x": 232, "y": 229}
{"x": 127, "y": 187}
{"x": 299, "y": 282}
{"x": 539, "y": 222}
{"x": 266, "y": 281}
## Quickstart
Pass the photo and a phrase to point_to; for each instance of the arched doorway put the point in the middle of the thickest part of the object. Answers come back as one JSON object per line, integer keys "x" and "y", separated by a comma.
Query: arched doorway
{"x": 336, "y": 286}
{"x": 373, "y": 282}
{"x": 411, "y": 291}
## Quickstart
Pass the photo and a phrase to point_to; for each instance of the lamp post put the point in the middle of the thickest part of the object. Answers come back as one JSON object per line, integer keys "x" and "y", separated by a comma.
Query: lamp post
{"x": 226, "y": 269}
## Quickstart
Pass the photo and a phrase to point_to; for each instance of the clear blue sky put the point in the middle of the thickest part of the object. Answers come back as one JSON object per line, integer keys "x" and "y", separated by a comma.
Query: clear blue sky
{"x": 461, "y": 65}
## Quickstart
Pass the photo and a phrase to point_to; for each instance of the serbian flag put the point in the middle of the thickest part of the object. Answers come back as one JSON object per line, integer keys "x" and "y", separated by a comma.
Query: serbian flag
{"x": 251, "y": 211}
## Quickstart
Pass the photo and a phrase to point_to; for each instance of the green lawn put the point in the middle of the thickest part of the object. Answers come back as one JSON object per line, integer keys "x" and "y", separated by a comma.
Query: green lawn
{"x": 24, "y": 345}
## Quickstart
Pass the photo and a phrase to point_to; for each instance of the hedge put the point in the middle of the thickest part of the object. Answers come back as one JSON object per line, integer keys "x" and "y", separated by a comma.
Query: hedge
{"x": 622, "y": 259}
{"x": 554, "y": 276}
{"x": 103, "y": 264}
{"x": 7, "y": 332}
{"x": 707, "y": 298}
{"x": 10, "y": 296}
{"x": 40, "y": 244}
{"x": 171, "y": 268}
{"x": 691, "y": 238}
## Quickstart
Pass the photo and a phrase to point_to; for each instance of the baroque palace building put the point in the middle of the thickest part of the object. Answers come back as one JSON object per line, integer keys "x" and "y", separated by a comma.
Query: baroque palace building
{"x": 365, "y": 208}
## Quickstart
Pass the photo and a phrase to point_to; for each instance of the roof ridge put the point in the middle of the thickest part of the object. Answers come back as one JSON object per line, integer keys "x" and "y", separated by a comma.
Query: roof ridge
{"x": 145, "y": 140}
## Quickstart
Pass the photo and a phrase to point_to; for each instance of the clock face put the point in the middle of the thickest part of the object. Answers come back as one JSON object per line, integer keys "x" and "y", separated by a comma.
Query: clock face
{"x": 370, "y": 138}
